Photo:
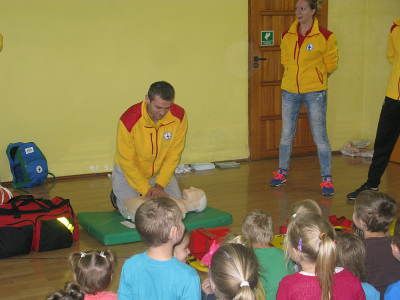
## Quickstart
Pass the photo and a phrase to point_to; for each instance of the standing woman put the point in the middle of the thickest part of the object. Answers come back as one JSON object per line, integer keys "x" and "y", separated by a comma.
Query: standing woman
{"x": 309, "y": 55}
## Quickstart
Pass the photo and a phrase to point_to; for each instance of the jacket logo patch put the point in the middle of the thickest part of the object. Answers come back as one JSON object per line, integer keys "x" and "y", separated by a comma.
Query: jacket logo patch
{"x": 167, "y": 136}
{"x": 310, "y": 47}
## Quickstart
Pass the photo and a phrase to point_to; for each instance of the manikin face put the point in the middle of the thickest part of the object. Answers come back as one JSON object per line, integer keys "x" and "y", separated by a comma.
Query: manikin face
{"x": 157, "y": 108}
{"x": 303, "y": 12}
{"x": 182, "y": 250}
{"x": 192, "y": 194}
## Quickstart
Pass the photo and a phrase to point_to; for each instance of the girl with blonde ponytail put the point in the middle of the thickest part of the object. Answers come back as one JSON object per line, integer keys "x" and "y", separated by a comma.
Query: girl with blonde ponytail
{"x": 311, "y": 242}
{"x": 234, "y": 272}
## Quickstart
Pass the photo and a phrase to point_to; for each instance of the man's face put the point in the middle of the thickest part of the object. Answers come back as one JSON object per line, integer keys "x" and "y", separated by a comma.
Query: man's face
{"x": 157, "y": 108}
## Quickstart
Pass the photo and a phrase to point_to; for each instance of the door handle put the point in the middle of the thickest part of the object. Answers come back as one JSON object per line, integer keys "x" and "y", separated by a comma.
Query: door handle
{"x": 256, "y": 58}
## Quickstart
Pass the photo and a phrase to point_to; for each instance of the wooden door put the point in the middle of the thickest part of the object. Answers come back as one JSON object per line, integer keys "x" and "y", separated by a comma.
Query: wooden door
{"x": 265, "y": 96}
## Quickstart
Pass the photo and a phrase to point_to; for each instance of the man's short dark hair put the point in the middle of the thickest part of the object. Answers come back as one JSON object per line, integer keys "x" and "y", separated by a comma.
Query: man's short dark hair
{"x": 162, "y": 89}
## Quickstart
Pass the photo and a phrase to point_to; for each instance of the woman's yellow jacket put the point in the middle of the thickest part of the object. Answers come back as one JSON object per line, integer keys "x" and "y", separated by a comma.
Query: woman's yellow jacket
{"x": 307, "y": 67}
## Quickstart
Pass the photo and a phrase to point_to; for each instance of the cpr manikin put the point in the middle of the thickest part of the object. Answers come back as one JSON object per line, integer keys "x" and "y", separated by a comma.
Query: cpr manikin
{"x": 194, "y": 200}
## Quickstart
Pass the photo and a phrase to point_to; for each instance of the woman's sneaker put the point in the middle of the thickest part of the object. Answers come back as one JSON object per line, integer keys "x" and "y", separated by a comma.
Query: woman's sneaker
{"x": 364, "y": 187}
{"x": 279, "y": 178}
{"x": 327, "y": 186}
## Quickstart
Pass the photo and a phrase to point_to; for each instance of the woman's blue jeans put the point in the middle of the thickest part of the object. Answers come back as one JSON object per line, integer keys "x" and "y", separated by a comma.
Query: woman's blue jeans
{"x": 315, "y": 103}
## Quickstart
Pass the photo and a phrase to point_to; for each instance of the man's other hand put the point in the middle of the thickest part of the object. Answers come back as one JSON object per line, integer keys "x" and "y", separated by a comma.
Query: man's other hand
{"x": 156, "y": 191}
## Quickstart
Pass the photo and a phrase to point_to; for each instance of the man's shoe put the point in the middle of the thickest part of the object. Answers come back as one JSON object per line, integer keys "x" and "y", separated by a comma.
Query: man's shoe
{"x": 113, "y": 199}
{"x": 327, "y": 186}
{"x": 279, "y": 178}
{"x": 364, "y": 187}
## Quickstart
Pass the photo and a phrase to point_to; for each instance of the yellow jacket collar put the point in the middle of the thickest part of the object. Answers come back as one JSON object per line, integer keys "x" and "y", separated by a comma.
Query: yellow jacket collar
{"x": 314, "y": 30}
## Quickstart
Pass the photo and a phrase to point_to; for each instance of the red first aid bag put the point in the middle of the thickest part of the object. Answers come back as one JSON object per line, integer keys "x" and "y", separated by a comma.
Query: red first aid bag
{"x": 202, "y": 239}
{"x": 341, "y": 224}
{"x": 28, "y": 223}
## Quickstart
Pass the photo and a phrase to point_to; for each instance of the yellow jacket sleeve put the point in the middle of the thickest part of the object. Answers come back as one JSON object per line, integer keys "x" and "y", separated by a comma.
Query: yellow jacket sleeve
{"x": 331, "y": 55}
{"x": 125, "y": 159}
{"x": 284, "y": 55}
{"x": 391, "y": 51}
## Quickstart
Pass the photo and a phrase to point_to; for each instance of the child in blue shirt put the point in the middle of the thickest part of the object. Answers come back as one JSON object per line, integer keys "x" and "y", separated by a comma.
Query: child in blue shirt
{"x": 156, "y": 274}
{"x": 393, "y": 290}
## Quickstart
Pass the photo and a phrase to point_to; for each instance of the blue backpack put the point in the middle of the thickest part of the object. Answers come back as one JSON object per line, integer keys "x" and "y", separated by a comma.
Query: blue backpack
{"x": 28, "y": 164}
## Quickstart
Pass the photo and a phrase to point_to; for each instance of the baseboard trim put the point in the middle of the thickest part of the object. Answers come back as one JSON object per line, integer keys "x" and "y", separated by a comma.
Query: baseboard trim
{"x": 69, "y": 177}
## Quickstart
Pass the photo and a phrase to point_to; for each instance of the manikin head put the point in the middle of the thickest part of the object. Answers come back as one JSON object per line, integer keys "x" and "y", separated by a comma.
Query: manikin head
{"x": 196, "y": 197}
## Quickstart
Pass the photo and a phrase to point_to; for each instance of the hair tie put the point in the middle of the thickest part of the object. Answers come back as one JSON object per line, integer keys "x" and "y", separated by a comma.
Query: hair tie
{"x": 300, "y": 245}
{"x": 244, "y": 283}
{"x": 83, "y": 254}
{"x": 322, "y": 234}
{"x": 102, "y": 254}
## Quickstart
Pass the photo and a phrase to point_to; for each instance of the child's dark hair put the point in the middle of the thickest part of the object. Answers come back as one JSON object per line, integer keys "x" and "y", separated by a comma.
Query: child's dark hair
{"x": 71, "y": 292}
{"x": 312, "y": 238}
{"x": 351, "y": 254}
{"x": 93, "y": 270}
{"x": 377, "y": 210}
{"x": 396, "y": 235}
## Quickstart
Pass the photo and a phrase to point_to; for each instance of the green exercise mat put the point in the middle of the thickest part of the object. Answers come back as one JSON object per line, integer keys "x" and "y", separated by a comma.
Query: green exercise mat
{"x": 107, "y": 228}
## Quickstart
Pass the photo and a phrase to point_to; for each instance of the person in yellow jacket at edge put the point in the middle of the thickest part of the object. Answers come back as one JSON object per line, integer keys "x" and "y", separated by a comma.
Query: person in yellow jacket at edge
{"x": 389, "y": 121}
{"x": 150, "y": 139}
{"x": 309, "y": 56}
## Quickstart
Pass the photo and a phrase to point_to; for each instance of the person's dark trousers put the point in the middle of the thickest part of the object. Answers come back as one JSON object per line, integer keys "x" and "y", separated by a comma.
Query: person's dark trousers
{"x": 386, "y": 137}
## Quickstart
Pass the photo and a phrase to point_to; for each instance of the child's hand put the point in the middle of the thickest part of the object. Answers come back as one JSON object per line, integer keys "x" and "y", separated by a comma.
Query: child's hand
{"x": 206, "y": 286}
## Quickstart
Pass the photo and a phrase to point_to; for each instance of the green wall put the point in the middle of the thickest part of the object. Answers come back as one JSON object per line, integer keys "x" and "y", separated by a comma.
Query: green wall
{"x": 69, "y": 69}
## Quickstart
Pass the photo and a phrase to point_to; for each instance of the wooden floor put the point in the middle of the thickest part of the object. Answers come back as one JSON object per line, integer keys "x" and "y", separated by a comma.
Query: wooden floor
{"x": 237, "y": 191}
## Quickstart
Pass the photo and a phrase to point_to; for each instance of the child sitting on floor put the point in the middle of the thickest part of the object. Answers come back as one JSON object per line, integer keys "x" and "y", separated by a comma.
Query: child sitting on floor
{"x": 181, "y": 250}
{"x": 304, "y": 206}
{"x": 310, "y": 242}
{"x": 234, "y": 272}
{"x": 156, "y": 274}
{"x": 231, "y": 238}
{"x": 393, "y": 290}
{"x": 93, "y": 271}
{"x": 351, "y": 255}
{"x": 258, "y": 227}
{"x": 71, "y": 292}
{"x": 374, "y": 212}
